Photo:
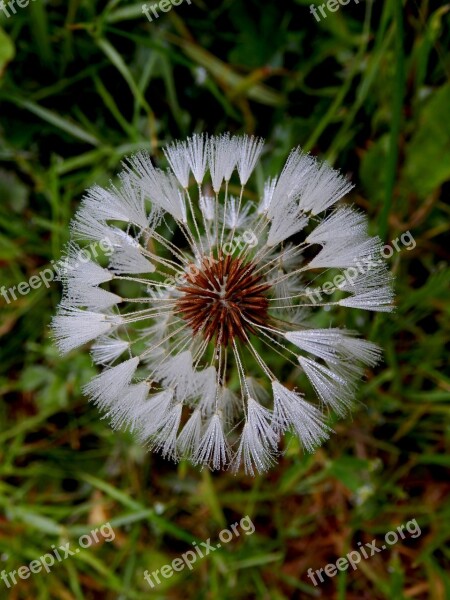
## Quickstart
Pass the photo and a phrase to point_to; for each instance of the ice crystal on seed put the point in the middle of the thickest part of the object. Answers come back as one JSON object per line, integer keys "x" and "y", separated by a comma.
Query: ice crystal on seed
{"x": 200, "y": 279}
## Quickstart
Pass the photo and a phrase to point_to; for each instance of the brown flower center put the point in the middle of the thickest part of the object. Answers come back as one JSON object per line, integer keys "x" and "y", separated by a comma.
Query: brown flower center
{"x": 224, "y": 297}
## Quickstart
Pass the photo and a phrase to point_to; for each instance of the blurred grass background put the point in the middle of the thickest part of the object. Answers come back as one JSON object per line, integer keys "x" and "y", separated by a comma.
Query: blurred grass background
{"x": 84, "y": 83}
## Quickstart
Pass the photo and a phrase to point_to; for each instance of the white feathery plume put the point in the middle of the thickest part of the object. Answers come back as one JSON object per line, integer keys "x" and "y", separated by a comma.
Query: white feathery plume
{"x": 269, "y": 188}
{"x": 152, "y": 413}
{"x": 85, "y": 227}
{"x": 168, "y": 196}
{"x": 234, "y": 216}
{"x": 335, "y": 344}
{"x": 323, "y": 188}
{"x": 298, "y": 315}
{"x": 379, "y": 300}
{"x": 252, "y": 452}
{"x": 156, "y": 355}
{"x": 204, "y": 386}
{"x": 290, "y": 182}
{"x": 90, "y": 296}
{"x": 213, "y": 449}
{"x": 111, "y": 383}
{"x": 261, "y": 423}
{"x": 189, "y": 437}
{"x": 287, "y": 222}
{"x": 331, "y": 388}
{"x": 343, "y": 254}
{"x": 107, "y": 349}
{"x": 249, "y": 150}
{"x": 165, "y": 439}
{"x": 103, "y": 205}
{"x": 230, "y": 156}
{"x": 197, "y": 155}
{"x": 291, "y": 411}
{"x": 176, "y": 155}
{"x": 156, "y": 331}
{"x": 259, "y": 440}
{"x": 124, "y": 412}
{"x": 319, "y": 342}
{"x": 73, "y": 327}
{"x": 122, "y": 203}
{"x": 371, "y": 278}
{"x": 257, "y": 390}
{"x": 85, "y": 272}
{"x": 371, "y": 290}
{"x": 361, "y": 350}
{"x": 348, "y": 370}
{"x": 343, "y": 222}
{"x": 222, "y": 158}
{"x": 286, "y": 290}
{"x": 207, "y": 206}
{"x": 159, "y": 187}
{"x": 128, "y": 258}
{"x": 133, "y": 199}
{"x": 177, "y": 372}
{"x": 288, "y": 258}
{"x": 230, "y": 404}
{"x": 287, "y": 216}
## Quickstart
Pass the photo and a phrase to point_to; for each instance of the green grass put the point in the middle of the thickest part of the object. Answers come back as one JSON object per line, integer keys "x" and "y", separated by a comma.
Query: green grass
{"x": 85, "y": 83}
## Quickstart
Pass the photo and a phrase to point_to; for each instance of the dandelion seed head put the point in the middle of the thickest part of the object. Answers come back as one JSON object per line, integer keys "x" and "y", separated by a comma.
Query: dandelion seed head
{"x": 206, "y": 289}
{"x": 224, "y": 299}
